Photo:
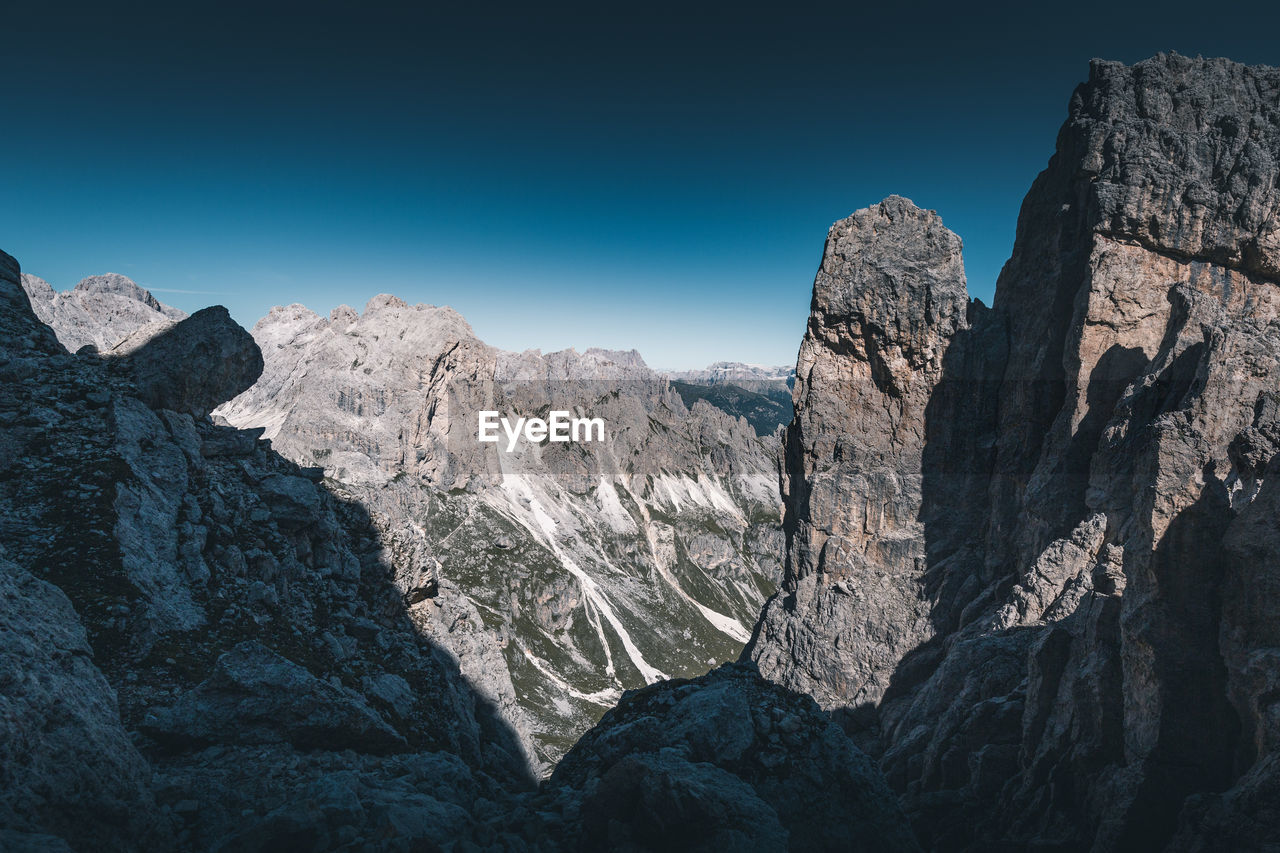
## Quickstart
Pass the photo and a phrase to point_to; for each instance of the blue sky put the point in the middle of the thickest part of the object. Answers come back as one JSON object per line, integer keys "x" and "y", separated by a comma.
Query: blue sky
{"x": 562, "y": 175}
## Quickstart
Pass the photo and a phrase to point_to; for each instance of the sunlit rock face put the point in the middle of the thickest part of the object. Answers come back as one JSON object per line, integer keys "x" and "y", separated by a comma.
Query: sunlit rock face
{"x": 100, "y": 311}
{"x": 558, "y": 574}
{"x": 888, "y": 299}
{"x": 1027, "y": 564}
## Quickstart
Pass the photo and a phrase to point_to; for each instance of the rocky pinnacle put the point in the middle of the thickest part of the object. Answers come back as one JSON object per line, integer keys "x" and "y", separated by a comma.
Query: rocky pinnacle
{"x": 1027, "y": 563}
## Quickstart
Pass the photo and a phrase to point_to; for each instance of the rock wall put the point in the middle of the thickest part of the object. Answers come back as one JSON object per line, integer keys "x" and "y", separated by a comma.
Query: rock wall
{"x": 186, "y": 613}
{"x": 1017, "y": 566}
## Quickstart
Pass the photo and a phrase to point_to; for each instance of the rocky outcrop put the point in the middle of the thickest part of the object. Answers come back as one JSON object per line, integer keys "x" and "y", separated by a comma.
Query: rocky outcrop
{"x": 192, "y": 366}
{"x": 888, "y": 299}
{"x": 99, "y": 312}
{"x": 725, "y": 761}
{"x": 66, "y": 760}
{"x": 255, "y": 696}
{"x": 1019, "y": 544}
{"x": 143, "y": 547}
{"x": 557, "y": 574}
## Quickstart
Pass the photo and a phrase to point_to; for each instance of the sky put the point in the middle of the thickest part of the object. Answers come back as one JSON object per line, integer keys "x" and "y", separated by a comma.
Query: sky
{"x": 655, "y": 176}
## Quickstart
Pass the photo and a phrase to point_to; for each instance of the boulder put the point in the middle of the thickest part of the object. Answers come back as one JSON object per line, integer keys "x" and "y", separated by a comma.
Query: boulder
{"x": 195, "y": 365}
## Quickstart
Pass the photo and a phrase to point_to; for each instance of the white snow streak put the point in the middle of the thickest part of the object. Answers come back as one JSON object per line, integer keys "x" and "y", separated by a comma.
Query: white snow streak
{"x": 525, "y": 500}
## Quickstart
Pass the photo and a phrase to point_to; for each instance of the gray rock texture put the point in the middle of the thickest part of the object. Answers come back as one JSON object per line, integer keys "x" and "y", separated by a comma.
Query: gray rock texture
{"x": 1028, "y": 562}
{"x": 254, "y": 696}
{"x": 1031, "y": 551}
{"x": 195, "y": 633}
{"x": 887, "y": 300}
{"x": 726, "y": 762}
{"x": 66, "y": 759}
{"x": 99, "y": 312}
{"x": 204, "y": 646}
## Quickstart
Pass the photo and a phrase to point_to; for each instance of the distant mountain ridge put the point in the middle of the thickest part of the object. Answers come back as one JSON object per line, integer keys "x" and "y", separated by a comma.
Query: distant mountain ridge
{"x": 734, "y": 372}
{"x": 756, "y": 392}
{"x": 100, "y": 311}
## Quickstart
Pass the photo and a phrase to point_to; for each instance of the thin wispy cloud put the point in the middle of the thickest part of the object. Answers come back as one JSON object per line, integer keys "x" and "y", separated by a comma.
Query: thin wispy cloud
{"x": 179, "y": 290}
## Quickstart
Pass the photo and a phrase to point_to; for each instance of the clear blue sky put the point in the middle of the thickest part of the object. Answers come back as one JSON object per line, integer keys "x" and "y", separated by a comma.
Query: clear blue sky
{"x": 656, "y": 178}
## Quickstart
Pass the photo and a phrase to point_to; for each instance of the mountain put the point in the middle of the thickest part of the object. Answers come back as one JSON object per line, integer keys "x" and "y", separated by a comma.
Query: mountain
{"x": 735, "y": 373}
{"x": 767, "y": 413}
{"x": 560, "y": 574}
{"x": 760, "y": 394}
{"x": 1031, "y": 549}
{"x": 557, "y": 579}
{"x": 100, "y": 311}
{"x": 205, "y": 647}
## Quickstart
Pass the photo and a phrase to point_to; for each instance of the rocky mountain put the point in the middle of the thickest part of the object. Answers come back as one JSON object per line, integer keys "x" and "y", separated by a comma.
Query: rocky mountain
{"x": 205, "y": 647}
{"x": 100, "y": 311}
{"x": 558, "y": 579}
{"x": 1031, "y": 549}
{"x": 760, "y": 394}
{"x": 559, "y": 574}
{"x": 735, "y": 373}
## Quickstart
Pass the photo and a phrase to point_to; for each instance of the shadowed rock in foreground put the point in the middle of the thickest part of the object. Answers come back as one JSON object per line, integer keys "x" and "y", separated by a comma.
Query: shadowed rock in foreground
{"x": 193, "y": 366}
{"x": 727, "y": 762}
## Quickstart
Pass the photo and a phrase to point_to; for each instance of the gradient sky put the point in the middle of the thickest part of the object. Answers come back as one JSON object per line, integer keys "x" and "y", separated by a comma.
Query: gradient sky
{"x": 652, "y": 177}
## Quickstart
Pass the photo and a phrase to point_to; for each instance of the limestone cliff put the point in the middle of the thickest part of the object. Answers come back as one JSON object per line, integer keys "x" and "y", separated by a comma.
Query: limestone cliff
{"x": 1028, "y": 558}
{"x": 100, "y": 311}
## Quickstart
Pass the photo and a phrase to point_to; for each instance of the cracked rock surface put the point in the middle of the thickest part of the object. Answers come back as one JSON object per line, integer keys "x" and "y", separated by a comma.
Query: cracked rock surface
{"x": 1029, "y": 562}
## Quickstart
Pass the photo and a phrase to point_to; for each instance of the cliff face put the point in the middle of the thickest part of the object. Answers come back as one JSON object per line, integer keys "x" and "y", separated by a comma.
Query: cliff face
{"x": 185, "y": 613}
{"x": 1028, "y": 548}
{"x": 888, "y": 299}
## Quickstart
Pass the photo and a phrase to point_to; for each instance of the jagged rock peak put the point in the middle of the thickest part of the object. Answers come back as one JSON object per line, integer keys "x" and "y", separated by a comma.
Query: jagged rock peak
{"x": 896, "y": 273}
{"x": 100, "y": 311}
{"x": 389, "y": 304}
{"x": 1017, "y": 567}
{"x": 888, "y": 298}
{"x": 1182, "y": 155}
{"x": 569, "y": 364}
{"x": 118, "y": 285}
